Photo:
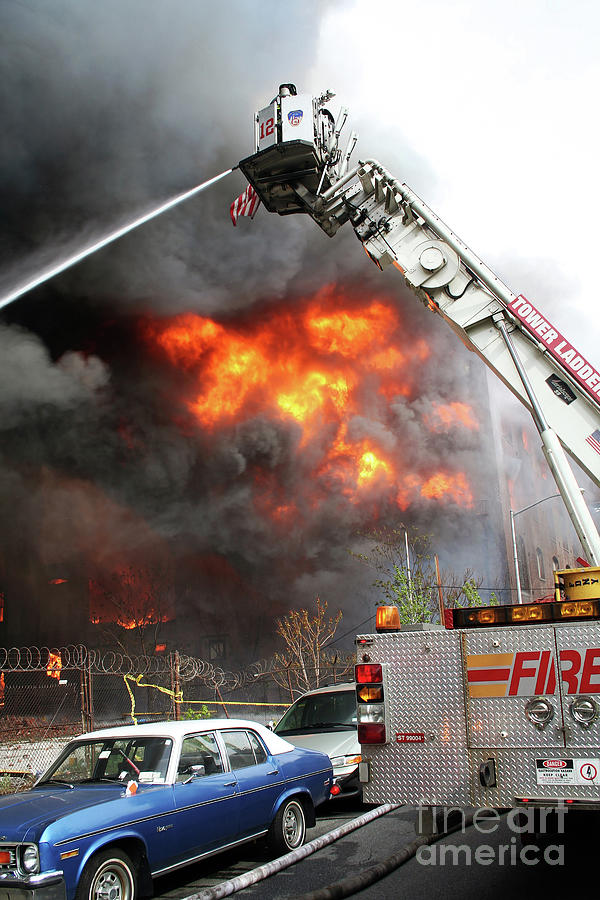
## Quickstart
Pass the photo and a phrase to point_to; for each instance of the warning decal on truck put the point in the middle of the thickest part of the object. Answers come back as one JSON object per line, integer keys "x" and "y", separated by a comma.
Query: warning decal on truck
{"x": 567, "y": 771}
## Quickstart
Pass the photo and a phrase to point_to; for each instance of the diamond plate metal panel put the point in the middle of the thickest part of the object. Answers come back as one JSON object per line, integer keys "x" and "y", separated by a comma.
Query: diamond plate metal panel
{"x": 428, "y": 696}
{"x": 579, "y": 650}
{"x": 427, "y": 775}
{"x": 425, "y": 695}
{"x": 516, "y": 777}
{"x": 500, "y": 721}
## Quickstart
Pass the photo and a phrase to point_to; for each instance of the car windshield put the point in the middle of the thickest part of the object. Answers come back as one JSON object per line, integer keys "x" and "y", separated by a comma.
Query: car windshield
{"x": 320, "y": 712}
{"x": 111, "y": 759}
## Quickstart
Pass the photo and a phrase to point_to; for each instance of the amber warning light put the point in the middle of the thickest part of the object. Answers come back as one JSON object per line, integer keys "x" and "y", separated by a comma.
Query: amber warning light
{"x": 387, "y": 618}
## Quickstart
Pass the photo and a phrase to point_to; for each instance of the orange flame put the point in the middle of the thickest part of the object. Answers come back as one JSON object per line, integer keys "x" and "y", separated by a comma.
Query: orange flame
{"x": 448, "y": 415}
{"x": 444, "y": 484}
{"x": 330, "y": 368}
{"x": 54, "y": 666}
{"x": 129, "y": 599}
{"x": 149, "y": 618}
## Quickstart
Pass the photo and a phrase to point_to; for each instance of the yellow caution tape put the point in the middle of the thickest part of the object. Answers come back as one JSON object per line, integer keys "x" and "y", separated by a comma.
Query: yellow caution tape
{"x": 230, "y": 703}
{"x": 177, "y": 696}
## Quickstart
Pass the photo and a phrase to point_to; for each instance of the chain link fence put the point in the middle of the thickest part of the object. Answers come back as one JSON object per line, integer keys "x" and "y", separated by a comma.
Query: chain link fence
{"x": 48, "y": 695}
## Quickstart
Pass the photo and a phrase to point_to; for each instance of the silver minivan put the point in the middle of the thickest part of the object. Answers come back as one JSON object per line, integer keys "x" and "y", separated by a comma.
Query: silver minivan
{"x": 325, "y": 719}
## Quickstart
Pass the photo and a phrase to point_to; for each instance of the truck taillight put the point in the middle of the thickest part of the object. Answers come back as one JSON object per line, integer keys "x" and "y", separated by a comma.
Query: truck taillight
{"x": 369, "y": 693}
{"x": 368, "y": 673}
{"x": 371, "y": 733}
{"x": 370, "y": 703}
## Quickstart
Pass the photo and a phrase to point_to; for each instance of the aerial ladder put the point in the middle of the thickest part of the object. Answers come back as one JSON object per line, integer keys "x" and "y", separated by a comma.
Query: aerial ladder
{"x": 300, "y": 166}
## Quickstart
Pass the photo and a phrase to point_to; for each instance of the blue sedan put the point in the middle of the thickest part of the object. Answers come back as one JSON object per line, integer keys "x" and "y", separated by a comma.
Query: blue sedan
{"x": 119, "y": 807}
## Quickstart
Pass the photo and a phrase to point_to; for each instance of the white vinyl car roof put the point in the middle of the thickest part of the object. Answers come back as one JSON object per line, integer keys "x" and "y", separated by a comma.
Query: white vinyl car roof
{"x": 177, "y": 730}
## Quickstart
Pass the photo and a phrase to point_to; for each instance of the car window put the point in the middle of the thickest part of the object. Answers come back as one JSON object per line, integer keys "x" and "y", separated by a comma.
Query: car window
{"x": 115, "y": 760}
{"x": 260, "y": 754}
{"x": 329, "y": 710}
{"x": 80, "y": 763}
{"x": 151, "y": 756}
{"x": 199, "y": 750}
{"x": 239, "y": 749}
{"x": 119, "y": 759}
{"x": 144, "y": 758}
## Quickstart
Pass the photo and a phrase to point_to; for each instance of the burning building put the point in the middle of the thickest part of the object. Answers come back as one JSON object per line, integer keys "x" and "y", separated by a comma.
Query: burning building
{"x": 232, "y": 472}
{"x": 198, "y": 421}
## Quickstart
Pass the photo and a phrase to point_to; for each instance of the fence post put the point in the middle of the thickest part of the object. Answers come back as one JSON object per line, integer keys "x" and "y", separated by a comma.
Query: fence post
{"x": 220, "y": 696}
{"x": 90, "y": 693}
{"x": 175, "y": 683}
{"x": 87, "y": 718}
{"x": 82, "y": 698}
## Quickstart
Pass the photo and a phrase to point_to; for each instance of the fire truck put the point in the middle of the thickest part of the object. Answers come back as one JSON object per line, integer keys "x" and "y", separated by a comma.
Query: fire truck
{"x": 497, "y": 706}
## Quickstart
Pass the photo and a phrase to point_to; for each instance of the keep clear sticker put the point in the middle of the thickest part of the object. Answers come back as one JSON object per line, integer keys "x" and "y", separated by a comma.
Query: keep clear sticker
{"x": 567, "y": 771}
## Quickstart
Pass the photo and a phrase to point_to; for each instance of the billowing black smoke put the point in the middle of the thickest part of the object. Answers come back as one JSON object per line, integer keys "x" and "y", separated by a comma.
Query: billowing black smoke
{"x": 109, "y": 108}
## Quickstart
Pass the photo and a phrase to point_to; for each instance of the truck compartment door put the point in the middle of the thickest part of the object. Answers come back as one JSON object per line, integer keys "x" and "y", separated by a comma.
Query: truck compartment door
{"x": 578, "y": 649}
{"x": 511, "y": 691}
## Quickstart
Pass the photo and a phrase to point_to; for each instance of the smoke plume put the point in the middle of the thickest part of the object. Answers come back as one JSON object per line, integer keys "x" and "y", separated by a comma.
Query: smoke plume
{"x": 108, "y": 109}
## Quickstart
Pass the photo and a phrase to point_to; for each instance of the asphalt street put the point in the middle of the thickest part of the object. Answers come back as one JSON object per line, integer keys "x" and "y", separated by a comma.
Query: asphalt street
{"x": 489, "y": 860}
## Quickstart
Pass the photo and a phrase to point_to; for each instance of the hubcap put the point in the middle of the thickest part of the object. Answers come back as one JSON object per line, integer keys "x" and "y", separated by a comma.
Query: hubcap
{"x": 292, "y": 826}
{"x": 111, "y": 883}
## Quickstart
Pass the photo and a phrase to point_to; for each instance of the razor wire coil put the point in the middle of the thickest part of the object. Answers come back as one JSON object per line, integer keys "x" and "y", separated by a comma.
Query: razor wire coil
{"x": 112, "y": 662}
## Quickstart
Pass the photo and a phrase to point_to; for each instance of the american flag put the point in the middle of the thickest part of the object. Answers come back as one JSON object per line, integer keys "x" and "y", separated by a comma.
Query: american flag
{"x": 245, "y": 205}
{"x": 594, "y": 440}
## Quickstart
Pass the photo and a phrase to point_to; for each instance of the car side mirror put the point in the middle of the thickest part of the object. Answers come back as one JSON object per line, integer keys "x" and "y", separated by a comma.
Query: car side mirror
{"x": 197, "y": 771}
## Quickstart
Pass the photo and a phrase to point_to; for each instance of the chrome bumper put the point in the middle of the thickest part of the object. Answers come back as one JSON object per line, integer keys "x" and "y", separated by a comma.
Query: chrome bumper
{"x": 48, "y": 886}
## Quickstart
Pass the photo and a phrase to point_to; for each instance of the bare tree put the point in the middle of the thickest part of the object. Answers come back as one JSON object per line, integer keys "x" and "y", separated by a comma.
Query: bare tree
{"x": 306, "y": 661}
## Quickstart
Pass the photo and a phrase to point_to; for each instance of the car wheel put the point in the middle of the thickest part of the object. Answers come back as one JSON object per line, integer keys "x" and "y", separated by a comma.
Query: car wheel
{"x": 288, "y": 828}
{"x": 109, "y": 873}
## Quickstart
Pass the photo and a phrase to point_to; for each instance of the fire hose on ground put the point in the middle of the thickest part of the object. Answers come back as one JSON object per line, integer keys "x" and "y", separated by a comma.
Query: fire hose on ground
{"x": 344, "y": 888}
{"x": 226, "y": 888}
{"x": 355, "y": 883}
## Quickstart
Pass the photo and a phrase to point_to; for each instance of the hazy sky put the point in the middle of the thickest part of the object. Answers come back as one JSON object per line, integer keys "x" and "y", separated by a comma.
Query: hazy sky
{"x": 488, "y": 110}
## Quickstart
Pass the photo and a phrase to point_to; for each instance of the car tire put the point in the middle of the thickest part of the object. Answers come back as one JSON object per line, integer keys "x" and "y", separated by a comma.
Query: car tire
{"x": 288, "y": 829}
{"x": 109, "y": 873}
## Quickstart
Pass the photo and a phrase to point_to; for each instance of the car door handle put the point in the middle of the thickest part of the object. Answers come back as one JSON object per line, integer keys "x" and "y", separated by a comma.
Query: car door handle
{"x": 230, "y": 784}
{"x": 273, "y": 772}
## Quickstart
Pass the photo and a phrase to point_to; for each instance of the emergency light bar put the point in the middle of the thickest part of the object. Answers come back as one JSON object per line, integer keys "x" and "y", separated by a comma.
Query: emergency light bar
{"x": 525, "y": 614}
{"x": 388, "y": 617}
